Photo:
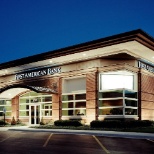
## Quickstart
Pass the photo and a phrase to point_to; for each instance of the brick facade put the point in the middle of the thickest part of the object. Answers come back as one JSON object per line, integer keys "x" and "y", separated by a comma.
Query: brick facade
{"x": 91, "y": 96}
{"x": 147, "y": 97}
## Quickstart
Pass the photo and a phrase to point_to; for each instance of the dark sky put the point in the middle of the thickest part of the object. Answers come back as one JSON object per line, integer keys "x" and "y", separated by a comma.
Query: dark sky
{"x": 29, "y": 27}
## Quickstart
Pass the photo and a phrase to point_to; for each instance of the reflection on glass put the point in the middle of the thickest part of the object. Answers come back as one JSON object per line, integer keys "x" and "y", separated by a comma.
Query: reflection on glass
{"x": 6, "y": 114}
{"x": 5, "y": 102}
{"x": 46, "y": 113}
{"x": 35, "y": 100}
{"x": 131, "y": 103}
{"x": 47, "y": 99}
{"x": 105, "y": 103}
{"x": 80, "y": 96}
{"x": 111, "y": 94}
{"x": 67, "y": 97}
{"x": 23, "y": 113}
{"x": 130, "y": 111}
{"x": 80, "y": 105}
{"x": 111, "y": 111}
{"x": 76, "y": 112}
{"x": 67, "y": 105}
{"x": 130, "y": 94}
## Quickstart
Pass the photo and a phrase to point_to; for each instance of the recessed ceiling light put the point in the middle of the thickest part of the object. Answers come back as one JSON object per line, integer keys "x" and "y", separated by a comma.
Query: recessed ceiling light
{"x": 84, "y": 54}
{"x": 153, "y": 57}
{"x": 50, "y": 61}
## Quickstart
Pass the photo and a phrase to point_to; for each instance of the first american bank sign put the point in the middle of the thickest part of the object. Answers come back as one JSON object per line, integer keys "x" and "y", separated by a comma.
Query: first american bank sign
{"x": 38, "y": 73}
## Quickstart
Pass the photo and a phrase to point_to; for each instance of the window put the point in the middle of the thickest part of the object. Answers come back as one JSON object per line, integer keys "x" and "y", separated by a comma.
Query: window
{"x": 44, "y": 100}
{"x": 117, "y": 94}
{"x": 74, "y": 104}
{"x": 5, "y": 103}
{"x": 117, "y": 80}
{"x": 74, "y": 97}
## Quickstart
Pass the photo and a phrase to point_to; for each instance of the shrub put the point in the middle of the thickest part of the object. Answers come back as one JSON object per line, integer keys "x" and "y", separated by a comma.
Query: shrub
{"x": 18, "y": 122}
{"x": 2, "y": 122}
{"x": 13, "y": 122}
{"x": 120, "y": 124}
{"x": 75, "y": 123}
{"x": 42, "y": 122}
{"x": 106, "y": 124}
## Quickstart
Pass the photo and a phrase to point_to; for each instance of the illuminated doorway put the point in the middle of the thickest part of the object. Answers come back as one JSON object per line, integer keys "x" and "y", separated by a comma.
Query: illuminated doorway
{"x": 34, "y": 114}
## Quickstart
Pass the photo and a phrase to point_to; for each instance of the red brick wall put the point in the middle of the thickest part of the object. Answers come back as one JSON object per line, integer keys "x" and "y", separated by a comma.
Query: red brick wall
{"x": 147, "y": 97}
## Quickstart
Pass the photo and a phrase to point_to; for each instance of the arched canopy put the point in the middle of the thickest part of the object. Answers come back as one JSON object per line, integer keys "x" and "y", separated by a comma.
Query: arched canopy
{"x": 13, "y": 90}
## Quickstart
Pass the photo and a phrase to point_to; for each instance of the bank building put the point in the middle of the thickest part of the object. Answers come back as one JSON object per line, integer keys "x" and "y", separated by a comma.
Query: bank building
{"x": 108, "y": 78}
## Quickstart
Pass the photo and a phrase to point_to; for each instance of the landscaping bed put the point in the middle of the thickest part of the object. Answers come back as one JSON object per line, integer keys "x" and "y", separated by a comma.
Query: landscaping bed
{"x": 111, "y": 125}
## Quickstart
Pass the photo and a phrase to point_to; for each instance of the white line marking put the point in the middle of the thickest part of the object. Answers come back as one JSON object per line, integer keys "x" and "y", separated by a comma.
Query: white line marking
{"x": 103, "y": 147}
{"x": 46, "y": 142}
{"x": 8, "y": 137}
{"x": 150, "y": 140}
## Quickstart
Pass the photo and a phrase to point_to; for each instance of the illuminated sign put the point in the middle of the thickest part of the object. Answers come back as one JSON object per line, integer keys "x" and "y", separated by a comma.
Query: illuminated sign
{"x": 146, "y": 66}
{"x": 38, "y": 73}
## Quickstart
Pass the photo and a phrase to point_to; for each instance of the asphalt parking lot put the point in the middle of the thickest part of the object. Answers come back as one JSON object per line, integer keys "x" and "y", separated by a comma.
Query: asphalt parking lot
{"x": 27, "y": 142}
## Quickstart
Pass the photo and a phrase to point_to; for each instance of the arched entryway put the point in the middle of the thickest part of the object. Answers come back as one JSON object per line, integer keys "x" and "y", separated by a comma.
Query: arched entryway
{"x": 25, "y": 104}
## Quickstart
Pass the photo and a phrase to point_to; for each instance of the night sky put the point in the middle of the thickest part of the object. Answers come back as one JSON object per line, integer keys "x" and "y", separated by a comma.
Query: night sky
{"x": 29, "y": 27}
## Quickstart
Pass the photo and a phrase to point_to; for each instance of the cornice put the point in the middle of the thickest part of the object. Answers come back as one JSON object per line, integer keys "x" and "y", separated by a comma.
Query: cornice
{"x": 135, "y": 35}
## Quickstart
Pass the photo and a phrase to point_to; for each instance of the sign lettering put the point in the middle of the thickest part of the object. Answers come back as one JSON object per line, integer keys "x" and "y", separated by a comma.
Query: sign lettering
{"x": 38, "y": 73}
{"x": 146, "y": 66}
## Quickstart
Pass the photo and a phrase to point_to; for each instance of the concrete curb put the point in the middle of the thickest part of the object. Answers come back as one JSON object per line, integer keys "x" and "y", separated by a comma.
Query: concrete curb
{"x": 83, "y": 132}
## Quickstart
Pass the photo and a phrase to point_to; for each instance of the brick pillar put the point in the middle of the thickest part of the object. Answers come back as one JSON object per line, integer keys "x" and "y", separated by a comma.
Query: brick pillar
{"x": 15, "y": 107}
{"x": 147, "y": 97}
{"x": 56, "y": 102}
{"x": 91, "y": 96}
{"x": 55, "y": 107}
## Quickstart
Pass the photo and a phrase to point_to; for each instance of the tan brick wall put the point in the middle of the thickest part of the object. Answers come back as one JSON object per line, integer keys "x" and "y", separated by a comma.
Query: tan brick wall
{"x": 147, "y": 97}
{"x": 91, "y": 96}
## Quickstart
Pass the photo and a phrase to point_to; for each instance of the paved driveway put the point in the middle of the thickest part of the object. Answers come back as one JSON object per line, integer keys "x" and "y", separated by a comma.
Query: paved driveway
{"x": 27, "y": 142}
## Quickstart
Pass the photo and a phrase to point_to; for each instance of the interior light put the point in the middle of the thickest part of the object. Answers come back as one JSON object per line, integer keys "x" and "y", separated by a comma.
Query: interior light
{"x": 84, "y": 54}
{"x": 50, "y": 61}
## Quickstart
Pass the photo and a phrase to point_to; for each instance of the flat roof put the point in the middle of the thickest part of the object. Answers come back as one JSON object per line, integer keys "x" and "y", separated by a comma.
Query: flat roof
{"x": 135, "y": 35}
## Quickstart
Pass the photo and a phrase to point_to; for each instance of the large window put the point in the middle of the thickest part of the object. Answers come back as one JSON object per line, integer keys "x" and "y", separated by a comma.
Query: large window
{"x": 117, "y": 80}
{"x": 44, "y": 100}
{"x": 74, "y": 104}
{"x": 117, "y": 94}
{"x": 74, "y": 97}
{"x": 5, "y": 104}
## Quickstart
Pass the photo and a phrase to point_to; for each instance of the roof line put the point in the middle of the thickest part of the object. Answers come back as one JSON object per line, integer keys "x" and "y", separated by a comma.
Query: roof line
{"x": 138, "y": 35}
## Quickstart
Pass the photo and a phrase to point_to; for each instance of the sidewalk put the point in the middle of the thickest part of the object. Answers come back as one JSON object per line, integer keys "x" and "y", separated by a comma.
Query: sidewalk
{"x": 84, "y": 132}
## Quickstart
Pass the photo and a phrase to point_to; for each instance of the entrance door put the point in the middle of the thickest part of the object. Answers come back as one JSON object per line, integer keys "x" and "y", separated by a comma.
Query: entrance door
{"x": 34, "y": 114}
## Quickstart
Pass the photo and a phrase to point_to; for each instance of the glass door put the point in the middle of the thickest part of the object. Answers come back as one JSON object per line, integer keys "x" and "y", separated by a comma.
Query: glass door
{"x": 34, "y": 114}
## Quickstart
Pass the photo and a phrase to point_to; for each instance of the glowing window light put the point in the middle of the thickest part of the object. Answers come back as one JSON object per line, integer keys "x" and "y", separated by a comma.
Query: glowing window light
{"x": 116, "y": 81}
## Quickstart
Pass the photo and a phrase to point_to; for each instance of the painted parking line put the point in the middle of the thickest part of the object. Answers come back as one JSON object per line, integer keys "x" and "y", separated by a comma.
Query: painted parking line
{"x": 46, "y": 142}
{"x": 150, "y": 140}
{"x": 103, "y": 147}
{"x": 9, "y": 137}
